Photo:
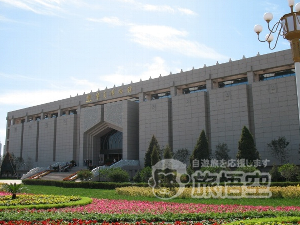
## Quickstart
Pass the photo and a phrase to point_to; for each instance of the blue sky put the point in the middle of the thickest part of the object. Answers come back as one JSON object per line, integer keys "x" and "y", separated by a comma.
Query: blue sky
{"x": 51, "y": 49}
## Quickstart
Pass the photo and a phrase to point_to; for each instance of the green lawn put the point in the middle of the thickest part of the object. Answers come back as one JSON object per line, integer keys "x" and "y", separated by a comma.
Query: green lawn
{"x": 111, "y": 194}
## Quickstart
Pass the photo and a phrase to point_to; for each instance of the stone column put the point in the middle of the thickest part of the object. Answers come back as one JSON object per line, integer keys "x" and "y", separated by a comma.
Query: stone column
{"x": 251, "y": 77}
{"x": 141, "y": 97}
{"x": 59, "y": 112}
{"x": 209, "y": 85}
{"x": 173, "y": 91}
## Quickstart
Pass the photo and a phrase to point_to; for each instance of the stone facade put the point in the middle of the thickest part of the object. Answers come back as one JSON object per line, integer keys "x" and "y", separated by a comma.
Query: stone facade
{"x": 219, "y": 99}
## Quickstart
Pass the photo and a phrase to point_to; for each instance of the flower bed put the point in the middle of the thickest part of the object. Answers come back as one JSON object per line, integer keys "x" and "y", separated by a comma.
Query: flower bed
{"x": 107, "y": 206}
{"x": 234, "y": 191}
{"x": 24, "y": 199}
{"x": 40, "y": 201}
{"x": 130, "y": 211}
{"x": 94, "y": 222}
{"x": 125, "y": 212}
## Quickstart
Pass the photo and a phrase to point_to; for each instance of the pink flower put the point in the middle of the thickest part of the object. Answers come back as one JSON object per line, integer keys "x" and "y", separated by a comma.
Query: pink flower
{"x": 107, "y": 206}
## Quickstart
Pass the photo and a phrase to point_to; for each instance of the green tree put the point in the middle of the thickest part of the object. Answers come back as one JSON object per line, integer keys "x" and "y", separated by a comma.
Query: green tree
{"x": 13, "y": 189}
{"x": 168, "y": 154}
{"x": 18, "y": 161}
{"x": 222, "y": 151}
{"x": 8, "y": 166}
{"x": 279, "y": 150}
{"x": 247, "y": 149}
{"x": 148, "y": 154}
{"x": 182, "y": 155}
{"x": 154, "y": 156}
{"x": 201, "y": 150}
{"x": 289, "y": 171}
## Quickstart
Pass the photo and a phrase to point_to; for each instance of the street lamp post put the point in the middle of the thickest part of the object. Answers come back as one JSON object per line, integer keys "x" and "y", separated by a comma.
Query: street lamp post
{"x": 289, "y": 27}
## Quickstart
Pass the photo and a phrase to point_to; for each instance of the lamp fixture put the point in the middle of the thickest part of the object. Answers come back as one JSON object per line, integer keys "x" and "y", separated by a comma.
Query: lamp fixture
{"x": 288, "y": 26}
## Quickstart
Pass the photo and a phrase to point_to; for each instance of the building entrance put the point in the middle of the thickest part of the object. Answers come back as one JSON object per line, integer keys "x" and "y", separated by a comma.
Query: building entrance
{"x": 111, "y": 147}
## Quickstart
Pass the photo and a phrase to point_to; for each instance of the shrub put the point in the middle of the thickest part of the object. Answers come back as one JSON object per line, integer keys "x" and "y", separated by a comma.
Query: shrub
{"x": 84, "y": 175}
{"x": 118, "y": 175}
{"x": 247, "y": 169}
{"x": 143, "y": 175}
{"x": 289, "y": 171}
{"x": 115, "y": 175}
{"x": 275, "y": 174}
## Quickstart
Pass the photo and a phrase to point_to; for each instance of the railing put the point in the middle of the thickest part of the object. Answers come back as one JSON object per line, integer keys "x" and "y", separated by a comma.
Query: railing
{"x": 120, "y": 164}
{"x": 40, "y": 174}
{"x": 72, "y": 177}
{"x": 36, "y": 170}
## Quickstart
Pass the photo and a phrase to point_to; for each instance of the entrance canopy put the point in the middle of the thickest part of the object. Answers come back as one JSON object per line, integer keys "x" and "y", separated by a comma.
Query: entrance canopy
{"x": 103, "y": 143}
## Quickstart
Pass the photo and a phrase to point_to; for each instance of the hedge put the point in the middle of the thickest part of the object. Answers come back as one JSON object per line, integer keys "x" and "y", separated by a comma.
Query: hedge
{"x": 113, "y": 185}
{"x": 84, "y": 184}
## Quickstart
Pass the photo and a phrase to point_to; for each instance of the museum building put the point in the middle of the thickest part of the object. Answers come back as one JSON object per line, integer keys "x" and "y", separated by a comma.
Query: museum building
{"x": 118, "y": 123}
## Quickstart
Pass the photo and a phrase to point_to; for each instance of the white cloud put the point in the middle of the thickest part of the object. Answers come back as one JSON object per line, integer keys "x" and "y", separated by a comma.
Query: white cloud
{"x": 110, "y": 20}
{"x": 127, "y": 1}
{"x": 47, "y": 7}
{"x": 152, "y": 69}
{"x": 169, "y": 39}
{"x": 4, "y": 19}
{"x": 166, "y": 8}
{"x": 160, "y": 8}
{"x": 165, "y": 38}
{"x": 187, "y": 11}
{"x": 155, "y": 68}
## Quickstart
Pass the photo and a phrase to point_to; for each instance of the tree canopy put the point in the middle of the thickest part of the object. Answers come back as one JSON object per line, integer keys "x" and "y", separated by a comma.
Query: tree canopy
{"x": 168, "y": 154}
{"x": 201, "y": 150}
{"x": 247, "y": 149}
{"x": 148, "y": 154}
